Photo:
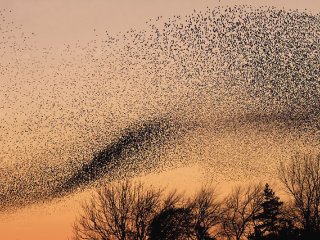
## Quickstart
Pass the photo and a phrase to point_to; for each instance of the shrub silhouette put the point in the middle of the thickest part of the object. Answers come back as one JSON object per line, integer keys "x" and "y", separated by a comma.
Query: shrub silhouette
{"x": 172, "y": 224}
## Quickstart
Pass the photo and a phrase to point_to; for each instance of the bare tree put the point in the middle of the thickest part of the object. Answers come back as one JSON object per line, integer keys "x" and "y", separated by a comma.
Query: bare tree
{"x": 241, "y": 206}
{"x": 146, "y": 206}
{"x": 172, "y": 200}
{"x": 301, "y": 178}
{"x": 120, "y": 211}
{"x": 207, "y": 212}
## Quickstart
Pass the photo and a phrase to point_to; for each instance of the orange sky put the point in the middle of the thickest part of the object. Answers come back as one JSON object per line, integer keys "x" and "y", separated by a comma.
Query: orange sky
{"x": 66, "y": 21}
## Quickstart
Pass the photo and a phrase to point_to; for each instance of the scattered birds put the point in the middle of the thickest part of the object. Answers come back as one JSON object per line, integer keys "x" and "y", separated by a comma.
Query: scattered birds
{"x": 84, "y": 112}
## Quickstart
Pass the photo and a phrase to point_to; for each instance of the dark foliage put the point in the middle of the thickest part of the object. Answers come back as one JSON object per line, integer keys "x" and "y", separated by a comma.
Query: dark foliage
{"x": 172, "y": 224}
{"x": 269, "y": 220}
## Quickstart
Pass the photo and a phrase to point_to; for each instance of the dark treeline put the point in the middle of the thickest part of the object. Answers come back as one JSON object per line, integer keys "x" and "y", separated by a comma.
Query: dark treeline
{"x": 132, "y": 211}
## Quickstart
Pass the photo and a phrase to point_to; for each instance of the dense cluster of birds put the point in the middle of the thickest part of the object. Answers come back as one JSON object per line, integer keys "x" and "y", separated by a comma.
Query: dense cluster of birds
{"x": 118, "y": 105}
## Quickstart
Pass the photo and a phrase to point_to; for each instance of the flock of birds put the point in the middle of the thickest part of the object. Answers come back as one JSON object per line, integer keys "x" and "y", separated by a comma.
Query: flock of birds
{"x": 118, "y": 104}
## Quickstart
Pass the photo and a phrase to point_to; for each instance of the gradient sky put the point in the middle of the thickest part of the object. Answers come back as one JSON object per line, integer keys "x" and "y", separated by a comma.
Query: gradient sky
{"x": 57, "y": 22}
{"x": 63, "y": 21}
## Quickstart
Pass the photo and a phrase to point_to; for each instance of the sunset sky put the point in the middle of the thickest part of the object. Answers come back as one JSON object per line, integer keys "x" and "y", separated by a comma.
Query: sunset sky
{"x": 54, "y": 109}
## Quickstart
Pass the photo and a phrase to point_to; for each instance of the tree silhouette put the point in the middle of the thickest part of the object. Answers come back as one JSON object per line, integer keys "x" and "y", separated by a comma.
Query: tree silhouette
{"x": 192, "y": 219}
{"x": 118, "y": 211}
{"x": 173, "y": 223}
{"x": 241, "y": 206}
{"x": 301, "y": 178}
{"x": 127, "y": 211}
{"x": 270, "y": 218}
{"x": 206, "y": 213}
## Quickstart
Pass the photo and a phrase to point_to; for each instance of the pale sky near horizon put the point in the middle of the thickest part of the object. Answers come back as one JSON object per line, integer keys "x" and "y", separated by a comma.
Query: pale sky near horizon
{"x": 64, "y": 21}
